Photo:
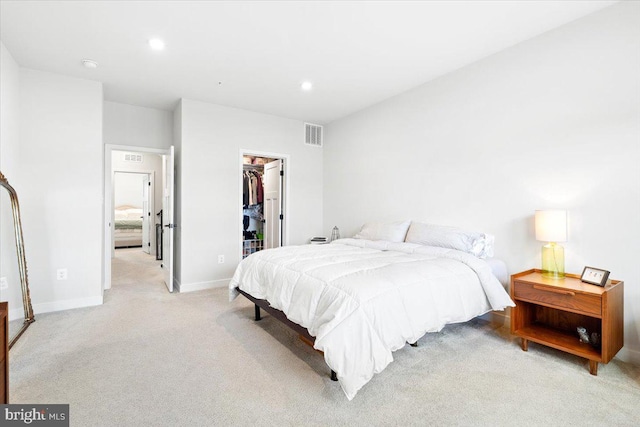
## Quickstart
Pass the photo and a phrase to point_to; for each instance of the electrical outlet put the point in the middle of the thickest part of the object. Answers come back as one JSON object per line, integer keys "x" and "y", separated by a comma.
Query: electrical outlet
{"x": 3, "y": 283}
{"x": 61, "y": 274}
{"x": 220, "y": 259}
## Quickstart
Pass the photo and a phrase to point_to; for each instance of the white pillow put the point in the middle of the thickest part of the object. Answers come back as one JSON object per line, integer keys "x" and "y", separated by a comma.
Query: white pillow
{"x": 475, "y": 243}
{"x": 391, "y": 232}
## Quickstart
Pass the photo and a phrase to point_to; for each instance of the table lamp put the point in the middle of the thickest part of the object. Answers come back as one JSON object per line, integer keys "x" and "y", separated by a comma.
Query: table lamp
{"x": 551, "y": 227}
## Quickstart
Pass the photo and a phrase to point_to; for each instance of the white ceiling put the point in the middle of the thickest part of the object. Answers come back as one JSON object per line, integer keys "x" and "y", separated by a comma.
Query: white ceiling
{"x": 355, "y": 53}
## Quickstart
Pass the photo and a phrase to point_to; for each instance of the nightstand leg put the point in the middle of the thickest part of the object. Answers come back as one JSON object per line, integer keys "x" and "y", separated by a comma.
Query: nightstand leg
{"x": 524, "y": 344}
{"x": 593, "y": 367}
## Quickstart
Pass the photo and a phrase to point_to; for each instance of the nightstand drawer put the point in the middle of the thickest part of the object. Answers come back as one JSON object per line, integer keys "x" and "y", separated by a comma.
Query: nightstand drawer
{"x": 563, "y": 299}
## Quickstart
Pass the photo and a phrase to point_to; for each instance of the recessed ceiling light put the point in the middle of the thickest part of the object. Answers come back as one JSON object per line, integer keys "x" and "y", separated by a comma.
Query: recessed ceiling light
{"x": 88, "y": 63}
{"x": 156, "y": 44}
{"x": 306, "y": 86}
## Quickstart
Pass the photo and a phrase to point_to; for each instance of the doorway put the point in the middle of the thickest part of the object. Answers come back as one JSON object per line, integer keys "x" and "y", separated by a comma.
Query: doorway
{"x": 135, "y": 202}
{"x": 264, "y": 202}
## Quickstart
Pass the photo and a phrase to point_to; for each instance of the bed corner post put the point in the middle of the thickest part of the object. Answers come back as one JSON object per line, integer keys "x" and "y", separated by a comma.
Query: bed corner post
{"x": 257, "y": 312}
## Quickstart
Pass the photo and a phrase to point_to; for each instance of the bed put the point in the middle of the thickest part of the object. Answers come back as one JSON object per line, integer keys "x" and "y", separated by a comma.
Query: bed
{"x": 127, "y": 226}
{"x": 361, "y": 299}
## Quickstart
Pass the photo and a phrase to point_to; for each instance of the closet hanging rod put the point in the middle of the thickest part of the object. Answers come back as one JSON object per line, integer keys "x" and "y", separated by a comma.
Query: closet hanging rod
{"x": 251, "y": 166}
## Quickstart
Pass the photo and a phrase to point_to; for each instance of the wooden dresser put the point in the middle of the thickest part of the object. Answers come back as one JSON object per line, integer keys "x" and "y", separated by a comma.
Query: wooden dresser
{"x": 4, "y": 353}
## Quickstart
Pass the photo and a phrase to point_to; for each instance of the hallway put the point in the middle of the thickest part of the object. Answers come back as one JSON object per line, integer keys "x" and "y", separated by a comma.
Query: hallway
{"x": 135, "y": 271}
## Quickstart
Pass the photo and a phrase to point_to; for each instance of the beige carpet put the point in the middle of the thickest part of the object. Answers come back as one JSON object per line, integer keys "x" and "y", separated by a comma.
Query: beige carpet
{"x": 150, "y": 358}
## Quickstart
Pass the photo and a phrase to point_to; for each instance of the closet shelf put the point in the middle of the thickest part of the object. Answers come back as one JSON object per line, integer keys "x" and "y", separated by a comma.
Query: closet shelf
{"x": 251, "y": 246}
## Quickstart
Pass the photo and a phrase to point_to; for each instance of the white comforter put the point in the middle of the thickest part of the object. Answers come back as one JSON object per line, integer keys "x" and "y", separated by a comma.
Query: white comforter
{"x": 363, "y": 299}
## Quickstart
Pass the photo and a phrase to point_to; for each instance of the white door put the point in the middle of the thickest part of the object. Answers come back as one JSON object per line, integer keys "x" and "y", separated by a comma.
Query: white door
{"x": 167, "y": 215}
{"x": 146, "y": 214}
{"x": 273, "y": 212}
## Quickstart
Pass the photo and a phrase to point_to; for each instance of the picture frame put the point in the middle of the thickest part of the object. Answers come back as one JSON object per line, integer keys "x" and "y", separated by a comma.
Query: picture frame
{"x": 595, "y": 276}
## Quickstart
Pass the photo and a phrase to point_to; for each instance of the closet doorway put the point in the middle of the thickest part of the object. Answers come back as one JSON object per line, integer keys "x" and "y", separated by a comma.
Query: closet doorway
{"x": 264, "y": 203}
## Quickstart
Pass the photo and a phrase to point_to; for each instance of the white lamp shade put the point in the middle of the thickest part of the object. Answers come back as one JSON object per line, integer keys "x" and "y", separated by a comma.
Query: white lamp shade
{"x": 551, "y": 226}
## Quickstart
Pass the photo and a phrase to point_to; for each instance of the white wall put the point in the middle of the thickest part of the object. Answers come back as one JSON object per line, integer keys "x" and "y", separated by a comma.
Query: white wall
{"x": 9, "y": 139}
{"x": 211, "y": 139}
{"x": 127, "y": 189}
{"x": 132, "y": 125}
{"x": 9, "y": 107}
{"x": 59, "y": 182}
{"x": 553, "y": 122}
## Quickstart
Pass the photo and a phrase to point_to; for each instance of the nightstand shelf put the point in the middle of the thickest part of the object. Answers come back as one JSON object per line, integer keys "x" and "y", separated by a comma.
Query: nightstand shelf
{"x": 559, "y": 340}
{"x": 548, "y": 312}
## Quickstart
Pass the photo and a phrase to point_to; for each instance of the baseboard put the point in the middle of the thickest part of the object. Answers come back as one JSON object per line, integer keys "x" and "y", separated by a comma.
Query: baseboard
{"x": 199, "y": 286}
{"x": 629, "y": 355}
{"x": 500, "y": 318}
{"x": 48, "y": 307}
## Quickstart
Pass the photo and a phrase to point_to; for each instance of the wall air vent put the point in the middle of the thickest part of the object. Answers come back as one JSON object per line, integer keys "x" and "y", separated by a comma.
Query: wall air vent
{"x": 133, "y": 157}
{"x": 313, "y": 134}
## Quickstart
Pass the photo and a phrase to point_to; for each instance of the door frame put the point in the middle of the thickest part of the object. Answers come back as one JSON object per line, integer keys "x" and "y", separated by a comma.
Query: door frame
{"x": 285, "y": 192}
{"x": 107, "y": 203}
{"x": 150, "y": 217}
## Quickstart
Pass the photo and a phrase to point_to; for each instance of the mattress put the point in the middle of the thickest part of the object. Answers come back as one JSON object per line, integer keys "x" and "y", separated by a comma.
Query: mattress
{"x": 127, "y": 218}
{"x": 128, "y": 224}
{"x": 127, "y": 238}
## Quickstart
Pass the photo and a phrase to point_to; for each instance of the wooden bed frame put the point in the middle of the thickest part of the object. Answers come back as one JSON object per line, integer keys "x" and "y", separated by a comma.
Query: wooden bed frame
{"x": 303, "y": 332}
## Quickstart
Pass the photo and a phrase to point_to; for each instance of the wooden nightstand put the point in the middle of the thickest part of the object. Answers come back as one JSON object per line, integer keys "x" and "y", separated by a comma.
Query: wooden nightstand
{"x": 548, "y": 311}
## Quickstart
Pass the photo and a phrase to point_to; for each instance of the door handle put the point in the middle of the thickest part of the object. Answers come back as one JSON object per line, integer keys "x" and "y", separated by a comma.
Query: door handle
{"x": 170, "y": 226}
